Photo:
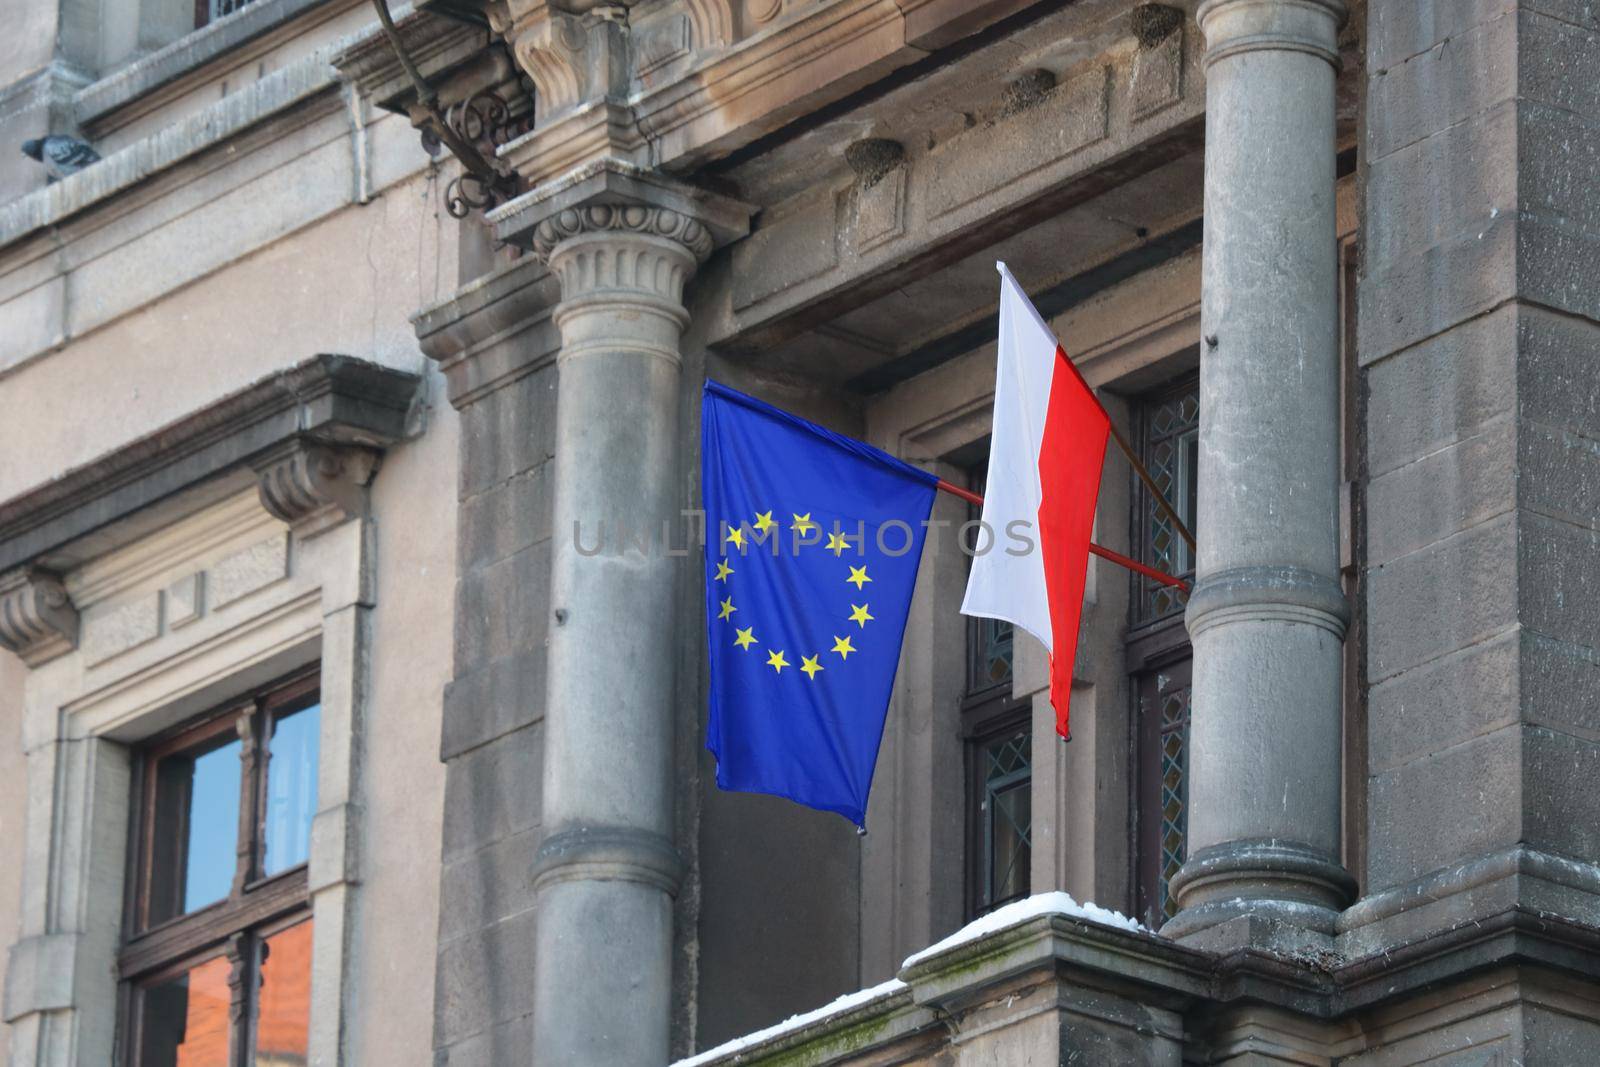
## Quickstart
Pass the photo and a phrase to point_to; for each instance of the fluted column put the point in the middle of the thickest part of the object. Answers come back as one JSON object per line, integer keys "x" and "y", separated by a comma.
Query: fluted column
{"x": 1267, "y": 616}
{"x": 607, "y": 871}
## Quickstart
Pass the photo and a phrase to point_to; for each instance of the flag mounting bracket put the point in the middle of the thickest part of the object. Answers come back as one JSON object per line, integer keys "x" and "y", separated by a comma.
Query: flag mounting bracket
{"x": 1104, "y": 553}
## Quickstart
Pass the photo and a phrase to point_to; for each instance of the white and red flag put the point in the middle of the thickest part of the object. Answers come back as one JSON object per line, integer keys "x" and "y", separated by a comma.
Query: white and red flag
{"x": 1045, "y": 455}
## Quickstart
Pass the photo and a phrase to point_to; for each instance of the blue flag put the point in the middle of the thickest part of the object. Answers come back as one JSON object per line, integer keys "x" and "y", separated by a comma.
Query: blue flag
{"x": 812, "y": 546}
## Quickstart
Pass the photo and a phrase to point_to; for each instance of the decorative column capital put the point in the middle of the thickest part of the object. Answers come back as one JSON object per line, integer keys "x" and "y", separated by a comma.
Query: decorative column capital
{"x": 313, "y": 486}
{"x": 37, "y": 619}
{"x": 1235, "y": 26}
{"x": 614, "y": 231}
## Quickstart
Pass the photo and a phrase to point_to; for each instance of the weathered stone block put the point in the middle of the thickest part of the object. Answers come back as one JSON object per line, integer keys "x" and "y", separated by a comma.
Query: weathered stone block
{"x": 1554, "y": 263}
{"x": 492, "y": 700}
{"x": 484, "y": 979}
{"x": 1400, "y": 29}
{"x": 1463, "y": 801}
{"x": 1558, "y": 58}
{"x": 486, "y": 886}
{"x": 1445, "y": 702}
{"x": 1445, "y": 389}
{"x": 1419, "y": 296}
{"x": 1560, "y": 685}
{"x": 1453, "y": 183}
{"x": 508, "y": 431}
{"x": 1559, "y": 579}
{"x": 505, "y": 518}
{"x": 1560, "y": 805}
{"x": 1558, "y": 474}
{"x": 1443, "y": 493}
{"x": 501, "y": 608}
{"x": 1438, "y": 88}
{"x": 1556, "y": 368}
{"x": 1446, "y": 597}
{"x": 493, "y": 792}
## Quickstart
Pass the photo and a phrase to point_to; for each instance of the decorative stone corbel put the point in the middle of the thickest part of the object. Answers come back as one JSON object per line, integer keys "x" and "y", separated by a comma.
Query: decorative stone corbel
{"x": 571, "y": 58}
{"x": 37, "y": 619}
{"x": 314, "y": 486}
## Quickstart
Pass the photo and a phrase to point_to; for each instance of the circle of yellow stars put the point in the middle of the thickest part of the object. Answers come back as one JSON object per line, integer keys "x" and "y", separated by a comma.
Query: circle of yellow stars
{"x": 745, "y": 637}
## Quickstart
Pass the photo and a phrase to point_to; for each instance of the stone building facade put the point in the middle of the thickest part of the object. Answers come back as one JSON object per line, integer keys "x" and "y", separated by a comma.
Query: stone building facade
{"x": 324, "y": 739}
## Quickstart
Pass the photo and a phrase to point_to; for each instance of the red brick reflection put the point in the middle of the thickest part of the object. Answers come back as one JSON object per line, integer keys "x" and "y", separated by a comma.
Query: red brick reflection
{"x": 283, "y": 1019}
{"x": 205, "y": 1031}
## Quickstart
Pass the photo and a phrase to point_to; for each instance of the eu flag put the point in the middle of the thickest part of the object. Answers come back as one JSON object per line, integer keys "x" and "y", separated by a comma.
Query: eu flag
{"x": 812, "y": 546}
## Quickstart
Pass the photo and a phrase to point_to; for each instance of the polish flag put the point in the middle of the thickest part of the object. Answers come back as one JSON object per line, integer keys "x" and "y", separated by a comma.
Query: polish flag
{"x": 1045, "y": 455}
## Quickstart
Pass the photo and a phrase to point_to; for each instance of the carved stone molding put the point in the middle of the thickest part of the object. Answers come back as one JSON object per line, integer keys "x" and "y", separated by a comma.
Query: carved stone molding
{"x": 37, "y": 619}
{"x": 315, "y": 486}
{"x": 622, "y": 219}
{"x": 611, "y": 197}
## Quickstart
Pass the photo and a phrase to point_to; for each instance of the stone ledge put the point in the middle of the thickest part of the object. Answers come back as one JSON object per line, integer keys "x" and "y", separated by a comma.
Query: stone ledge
{"x": 186, "y": 54}
{"x": 328, "y": 399}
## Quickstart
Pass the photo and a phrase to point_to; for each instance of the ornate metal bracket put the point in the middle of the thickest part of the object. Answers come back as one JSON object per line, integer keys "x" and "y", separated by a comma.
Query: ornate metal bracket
{"x": 485, "y": 121}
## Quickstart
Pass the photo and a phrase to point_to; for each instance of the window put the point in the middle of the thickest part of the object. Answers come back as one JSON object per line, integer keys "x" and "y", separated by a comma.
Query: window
{"x": 207, "y": 11}
{"x": 217, "y": 961}
{"x": 1168, "y": 427}
{"x": 999, "y": 745}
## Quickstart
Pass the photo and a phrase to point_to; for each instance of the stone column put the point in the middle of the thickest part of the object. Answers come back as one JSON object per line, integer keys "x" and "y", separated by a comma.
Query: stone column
{"x": 1267, "y": 616}
{"x": 622, "y": 248}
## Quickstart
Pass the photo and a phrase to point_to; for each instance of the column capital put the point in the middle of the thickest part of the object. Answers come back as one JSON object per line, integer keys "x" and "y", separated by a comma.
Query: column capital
{"x": 612, "y": 196}
{"x": 1235, "y": 26}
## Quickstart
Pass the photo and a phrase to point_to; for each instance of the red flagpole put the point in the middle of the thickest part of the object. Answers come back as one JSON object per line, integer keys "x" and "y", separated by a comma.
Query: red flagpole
{"x": 1104, "y": 553}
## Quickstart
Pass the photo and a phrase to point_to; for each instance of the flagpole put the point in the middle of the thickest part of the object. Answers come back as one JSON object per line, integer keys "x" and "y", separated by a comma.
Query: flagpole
{"x": 1104, "y": 553}
{"x": 1116, "y": 435}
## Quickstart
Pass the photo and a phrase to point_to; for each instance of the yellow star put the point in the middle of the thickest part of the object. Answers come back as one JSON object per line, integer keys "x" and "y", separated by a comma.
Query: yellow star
{"x": 764, "y": 521}
{"x": 837, "y": 543}
{"x": 727, "y": 609}
{"x": 723, "y": 570}
{"x": 776, "y": 661}
{"x": 858, "y": 575}
{"x": 810, "y": 666}
{"x": 843, "y": 646}
{"x": 803, "y": 523}
{"x": 746, "y": 637}
{"x": 859, "y": 616}
{"x": 736, "y": 536}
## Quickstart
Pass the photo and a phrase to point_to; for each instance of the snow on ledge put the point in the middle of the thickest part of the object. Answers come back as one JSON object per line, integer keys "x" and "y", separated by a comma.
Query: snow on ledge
{"x": 1014, "y": 914}
{"x": 1000, "y": 919}
{"x": 849, "y": 1001}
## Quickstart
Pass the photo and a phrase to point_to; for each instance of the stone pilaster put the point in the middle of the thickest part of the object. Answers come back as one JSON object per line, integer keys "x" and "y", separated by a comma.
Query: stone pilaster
{"x": 622, "y": 244}
{"x": 1267, "y": 616}
{"x": 1479, "y": 330}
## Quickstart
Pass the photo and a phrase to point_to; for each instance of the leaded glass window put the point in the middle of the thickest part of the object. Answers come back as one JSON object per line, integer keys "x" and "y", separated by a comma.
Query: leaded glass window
{"x": 1171, "y": 448}
{"x": 1006, "y": 816}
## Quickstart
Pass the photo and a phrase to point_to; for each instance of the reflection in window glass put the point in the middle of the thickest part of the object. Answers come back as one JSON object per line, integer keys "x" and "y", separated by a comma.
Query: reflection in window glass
{"x": 184, "y": 1020}
{"x": 283, "y": 998}
{"x": 196, "y": 829}
{"x": 291, "y": 790}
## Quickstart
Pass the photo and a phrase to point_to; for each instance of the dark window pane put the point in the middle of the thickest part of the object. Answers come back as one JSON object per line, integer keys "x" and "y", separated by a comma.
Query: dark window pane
{"x": 1007, "y": 816}
{"x": 283, "y": 998}
{"x": 291, "y": 790}
{"x": 184, "y": 1020}
{"x": 195, "y": 836}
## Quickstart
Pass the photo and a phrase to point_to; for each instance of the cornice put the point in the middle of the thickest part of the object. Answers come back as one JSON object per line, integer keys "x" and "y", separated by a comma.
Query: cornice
{"x": 327, "y": 400}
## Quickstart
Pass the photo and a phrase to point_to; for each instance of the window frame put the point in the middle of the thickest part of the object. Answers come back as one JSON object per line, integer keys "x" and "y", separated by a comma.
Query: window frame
{"x": 256, "y": 905}
{"x": 1154, "y": 645}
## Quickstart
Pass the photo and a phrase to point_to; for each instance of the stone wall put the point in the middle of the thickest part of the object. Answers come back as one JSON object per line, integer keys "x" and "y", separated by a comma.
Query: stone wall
{"x": 1478, "y": 332}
